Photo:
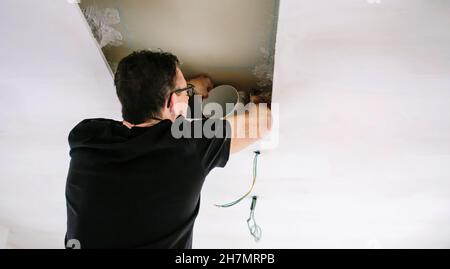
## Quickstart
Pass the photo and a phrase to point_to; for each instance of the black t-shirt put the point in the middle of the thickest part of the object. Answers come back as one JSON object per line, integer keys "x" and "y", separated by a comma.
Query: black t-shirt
{"x": 139, "y": 187}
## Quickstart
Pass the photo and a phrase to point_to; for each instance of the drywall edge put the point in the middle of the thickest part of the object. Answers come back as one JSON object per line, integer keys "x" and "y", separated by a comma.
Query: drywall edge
{"x": 80, "y": 12}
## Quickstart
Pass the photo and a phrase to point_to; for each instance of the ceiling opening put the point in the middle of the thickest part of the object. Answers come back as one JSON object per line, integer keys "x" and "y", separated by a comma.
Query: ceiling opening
{"x": 233, "y": 41}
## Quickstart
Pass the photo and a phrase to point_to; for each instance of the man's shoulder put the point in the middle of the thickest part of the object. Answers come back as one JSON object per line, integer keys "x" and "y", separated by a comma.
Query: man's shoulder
{"x": 92, "y": 123}
{"x": 95, "y": 121}
{"x": 88, "y": 127}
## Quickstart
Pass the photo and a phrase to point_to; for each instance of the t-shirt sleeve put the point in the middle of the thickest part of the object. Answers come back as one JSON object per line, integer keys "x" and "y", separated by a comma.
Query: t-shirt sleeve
{"x": 213, "y": 146}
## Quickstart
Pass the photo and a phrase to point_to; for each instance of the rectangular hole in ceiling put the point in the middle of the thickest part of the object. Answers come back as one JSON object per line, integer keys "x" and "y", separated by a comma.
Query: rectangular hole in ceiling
{"x": 233, "y": 41}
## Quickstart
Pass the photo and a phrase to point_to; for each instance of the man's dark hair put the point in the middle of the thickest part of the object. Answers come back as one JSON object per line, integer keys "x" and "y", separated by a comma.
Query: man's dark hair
{"x": 143, "y": 80}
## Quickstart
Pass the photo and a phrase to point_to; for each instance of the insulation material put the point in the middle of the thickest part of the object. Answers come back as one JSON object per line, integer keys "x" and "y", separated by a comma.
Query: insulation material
{"x": 101, "y": 22}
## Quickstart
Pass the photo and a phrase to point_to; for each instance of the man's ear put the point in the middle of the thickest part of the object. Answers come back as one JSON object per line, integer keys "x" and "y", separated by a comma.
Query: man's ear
{"x": 172, "y": 102}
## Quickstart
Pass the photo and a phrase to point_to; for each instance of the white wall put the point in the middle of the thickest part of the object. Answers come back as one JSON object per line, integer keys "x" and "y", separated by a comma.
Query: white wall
{"x": 363, "y": 159}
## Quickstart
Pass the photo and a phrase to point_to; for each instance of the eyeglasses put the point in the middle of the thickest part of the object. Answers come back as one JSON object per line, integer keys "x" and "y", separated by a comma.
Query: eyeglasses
{"x": 190, "y": 90}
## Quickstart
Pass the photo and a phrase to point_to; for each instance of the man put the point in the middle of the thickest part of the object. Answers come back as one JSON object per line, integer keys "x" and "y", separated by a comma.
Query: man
{"x": 132, "y": 184}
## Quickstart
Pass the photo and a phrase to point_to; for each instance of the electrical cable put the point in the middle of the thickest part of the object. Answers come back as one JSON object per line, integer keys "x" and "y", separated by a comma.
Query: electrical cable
{"x": 255, "y": 163}
{"x": 254, "y": 228}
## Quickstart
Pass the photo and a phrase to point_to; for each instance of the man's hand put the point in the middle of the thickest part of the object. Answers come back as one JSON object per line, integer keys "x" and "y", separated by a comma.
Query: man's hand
{"x": 203, "y": 84}
{"x": 249, "y": 127}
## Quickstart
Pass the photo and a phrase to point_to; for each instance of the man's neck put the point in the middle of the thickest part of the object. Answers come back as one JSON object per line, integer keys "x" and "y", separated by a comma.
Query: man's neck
{"x": 148, "y": 123}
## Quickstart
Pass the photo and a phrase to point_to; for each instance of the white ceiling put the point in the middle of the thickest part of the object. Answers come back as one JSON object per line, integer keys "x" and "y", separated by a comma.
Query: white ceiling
{"x": 52, "y": 76}
{"x": 364, "y": 155}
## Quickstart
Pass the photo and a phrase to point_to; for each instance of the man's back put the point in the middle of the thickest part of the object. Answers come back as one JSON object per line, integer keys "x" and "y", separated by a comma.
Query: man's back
{"x": 139, "y": 187}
